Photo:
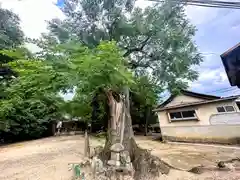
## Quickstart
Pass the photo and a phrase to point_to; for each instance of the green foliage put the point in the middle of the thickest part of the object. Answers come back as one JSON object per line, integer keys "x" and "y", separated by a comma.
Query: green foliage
{"x": 145, "y": 86}
{"x": 157, "y": 40}
{"x": 28, "y": 117}
{"x": 32, "y": 99}
{"x": 144, "y": 95}
{"x": 103, "y": 45}
{"x": 6, "y": 73}
{"x": 101, "y": 134}
{"x": 102, "y": 67}
{"x": 14, "y": 54}
{"x": 76, "y": 109}
{"x": 11, "y": 35}
{"x": 94, "y": 69}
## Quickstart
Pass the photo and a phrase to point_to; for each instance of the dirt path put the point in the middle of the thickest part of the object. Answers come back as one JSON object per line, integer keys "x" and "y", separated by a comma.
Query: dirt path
{"x": 48, "y": 159}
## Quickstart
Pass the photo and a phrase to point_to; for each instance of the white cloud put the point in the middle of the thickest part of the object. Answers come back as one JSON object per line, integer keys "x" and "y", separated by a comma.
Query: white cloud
{"x": 213, "y": 81}
{"x": 218, "y": 30}
{"x": 34, "y": 14}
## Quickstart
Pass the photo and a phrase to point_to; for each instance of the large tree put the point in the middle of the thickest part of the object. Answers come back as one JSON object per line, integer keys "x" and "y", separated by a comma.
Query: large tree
{"x": 157, "y": 39}
{"x": 101, "y": 69}
{"x": 156, "y": 42}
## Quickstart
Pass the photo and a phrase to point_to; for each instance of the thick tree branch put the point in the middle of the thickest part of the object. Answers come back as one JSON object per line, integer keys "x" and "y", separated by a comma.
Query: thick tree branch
{"x": 111, "y": 28}
{"x": 136, "y": 49}
{"x": 152, "y": 56}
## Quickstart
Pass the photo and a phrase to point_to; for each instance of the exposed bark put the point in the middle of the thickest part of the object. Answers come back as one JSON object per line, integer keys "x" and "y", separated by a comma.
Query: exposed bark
{"x": 142, "y": 160}
{"x": 145, "y": 165}
{"x": 139, "y": 48}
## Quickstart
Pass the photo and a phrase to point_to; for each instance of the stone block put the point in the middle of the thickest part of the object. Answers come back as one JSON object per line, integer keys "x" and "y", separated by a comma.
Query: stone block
{"x": 117, "y": 148}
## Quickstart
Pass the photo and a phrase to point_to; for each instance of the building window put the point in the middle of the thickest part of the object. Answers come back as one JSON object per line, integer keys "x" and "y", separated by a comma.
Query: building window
{"x": 182, "y": 115}
{"x": 222, "y": 109}
{"x": 229, "y": 108}
{"x": 175, "y": 115}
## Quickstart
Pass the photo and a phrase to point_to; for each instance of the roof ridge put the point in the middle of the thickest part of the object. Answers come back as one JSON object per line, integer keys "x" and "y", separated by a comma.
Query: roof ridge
{"x": 161, "y": 108}
{"x": 200, "y": 94}
{"x": 189, "y": 93}
{"x": 229, "y": 50}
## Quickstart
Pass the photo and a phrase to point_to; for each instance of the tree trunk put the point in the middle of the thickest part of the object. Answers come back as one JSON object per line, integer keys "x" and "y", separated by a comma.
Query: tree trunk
{"x": 145, "y": 165}
{"x": 120, "y": 131}
{"x": 86, "y": 144}
{"x": 147, "y": 120}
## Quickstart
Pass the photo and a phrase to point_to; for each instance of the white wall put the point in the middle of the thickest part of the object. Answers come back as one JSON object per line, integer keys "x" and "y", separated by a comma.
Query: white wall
{"x": 212, "y": 133}
{"x": 203, "y": 112}
{"x": 211, "y": 126}
{"x": 225, "y": 118}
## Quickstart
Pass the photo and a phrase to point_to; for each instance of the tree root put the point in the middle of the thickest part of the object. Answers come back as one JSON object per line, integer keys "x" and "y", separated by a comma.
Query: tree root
{"x": 145, "y": 164}
{"x": 222, "y": 164}
{"x": 148, "y": 166}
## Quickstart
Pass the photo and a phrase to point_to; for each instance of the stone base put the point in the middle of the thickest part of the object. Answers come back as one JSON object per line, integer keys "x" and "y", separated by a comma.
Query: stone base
{"x": 229, "y": 141}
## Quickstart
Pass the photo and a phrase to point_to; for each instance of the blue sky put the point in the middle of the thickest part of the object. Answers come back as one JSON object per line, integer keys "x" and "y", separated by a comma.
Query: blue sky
{"x": 218, "y": 30}
{"x": 60, "y": 3}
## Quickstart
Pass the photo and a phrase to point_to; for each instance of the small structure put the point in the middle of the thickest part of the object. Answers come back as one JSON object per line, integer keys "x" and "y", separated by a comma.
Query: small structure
{"x": 116, "y": 149}
{"x": 70, "y": 126}
{"x": 195, "y": 117}
{"x": 58, "y": 127}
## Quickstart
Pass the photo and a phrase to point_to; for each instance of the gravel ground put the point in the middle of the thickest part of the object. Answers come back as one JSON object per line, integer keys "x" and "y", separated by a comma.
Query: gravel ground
{"x": 49, "y": 158}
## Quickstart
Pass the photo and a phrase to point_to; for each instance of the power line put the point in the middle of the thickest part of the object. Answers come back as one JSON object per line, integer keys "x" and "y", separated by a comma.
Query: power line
{"x": 205, "y": 3}
{"x": 214, "y": 2}
{"x": 214, "y": 6}
{"x": 223, "y": 90}
{"x": 210, "y": 53}
{"x": 235, "y": 92}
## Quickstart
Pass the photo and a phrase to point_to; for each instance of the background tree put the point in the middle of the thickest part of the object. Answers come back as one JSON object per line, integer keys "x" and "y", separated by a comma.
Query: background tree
{"x": 31, "y": 100}
{"x": 144, "y": 96}
{"x": 157, "y": 39}
{"x": 22, "y": 115}
{"x": 11, "y": 37}
{"x": 89, "y": 70}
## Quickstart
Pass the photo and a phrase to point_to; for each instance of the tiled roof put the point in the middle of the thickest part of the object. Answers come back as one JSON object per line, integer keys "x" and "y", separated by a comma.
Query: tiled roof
{"x": 192, "y": 94}
{"x": 196, "y": 103}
